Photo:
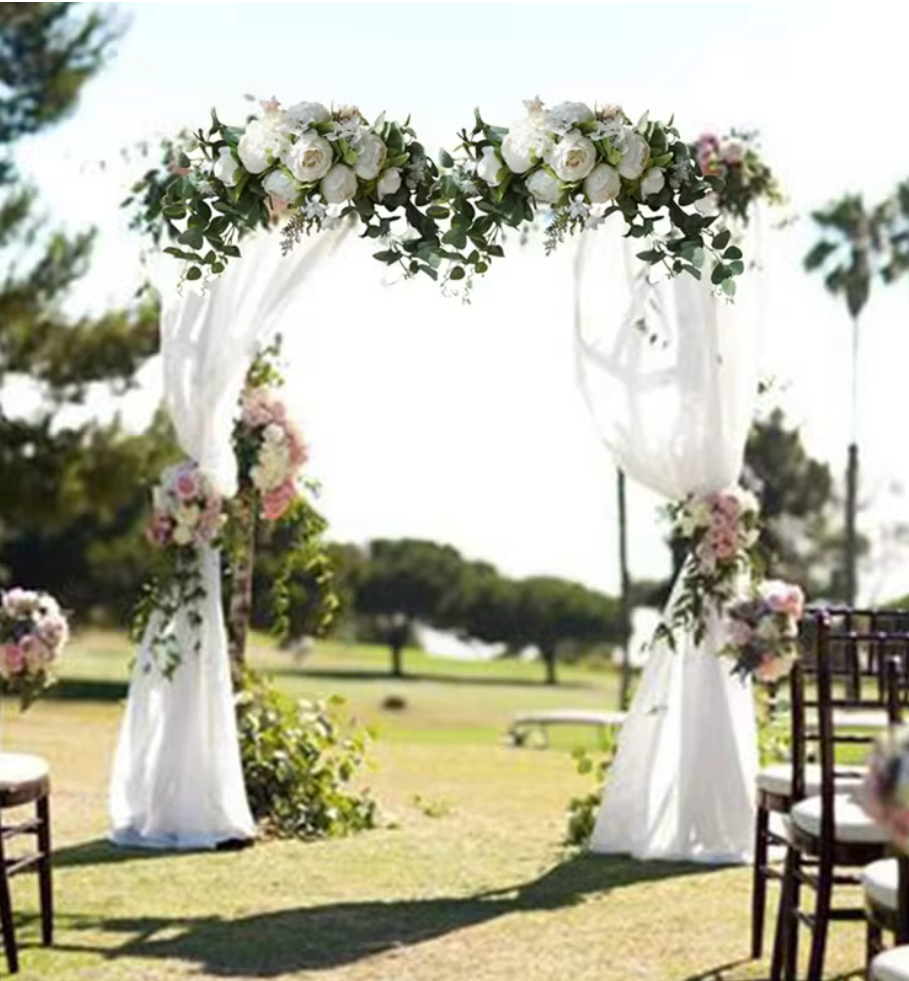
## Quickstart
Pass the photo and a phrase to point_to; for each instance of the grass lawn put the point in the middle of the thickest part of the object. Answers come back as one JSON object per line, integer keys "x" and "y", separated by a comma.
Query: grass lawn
{"x": 468, "y": 881}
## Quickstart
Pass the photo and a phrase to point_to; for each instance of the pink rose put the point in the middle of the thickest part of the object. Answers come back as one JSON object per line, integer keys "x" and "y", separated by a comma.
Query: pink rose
{"x": 296, "y": 448}
{"x": 783, "y": 597}
{"x": 187, "y": 485}
{"x": 772, "y": 667}
{"x": 14, "y": 658}
{"x": 276, "y": 502}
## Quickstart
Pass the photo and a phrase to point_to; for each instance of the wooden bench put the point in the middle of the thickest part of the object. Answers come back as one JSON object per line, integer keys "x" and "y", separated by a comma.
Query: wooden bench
{"x": 528, "y": 723}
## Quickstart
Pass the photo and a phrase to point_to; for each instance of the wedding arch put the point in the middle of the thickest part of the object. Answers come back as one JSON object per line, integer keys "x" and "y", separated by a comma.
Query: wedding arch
{"x": 177, "y": 780}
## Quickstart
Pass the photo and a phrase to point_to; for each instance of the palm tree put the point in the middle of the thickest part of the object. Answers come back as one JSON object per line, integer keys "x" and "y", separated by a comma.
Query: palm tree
{"x": 852, "y": 250}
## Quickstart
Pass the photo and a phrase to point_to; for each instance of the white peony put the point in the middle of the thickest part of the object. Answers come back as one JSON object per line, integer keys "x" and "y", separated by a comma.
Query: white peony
{"x": 389, "y": 182}
{"x": 339, "y": 184}
{"x": 260, "y": 146}
{"x": 371, "y": 155}
{"x": 524, "y": 146}
{"x": 226, "y": 168}
{"x": 602, "y": 184}
{"x": 182, "y": 535}
{"x": 310, "y": 158}
{"x": 635, "y": 156}
{"x": 306, "y": 114}
{"x": 567, "y": 115}
{"x": 488, "y": 166}
{"x": 573, "y": 157}
{"x": 281, "y": 186}
{"x": 652, "y": 182}
{"x": 544, "y": 187}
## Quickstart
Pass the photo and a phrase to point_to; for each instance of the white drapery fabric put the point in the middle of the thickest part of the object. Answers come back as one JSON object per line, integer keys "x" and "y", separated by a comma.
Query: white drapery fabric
{"x": 669, "y": 373}
{"x": 177, "y": 780}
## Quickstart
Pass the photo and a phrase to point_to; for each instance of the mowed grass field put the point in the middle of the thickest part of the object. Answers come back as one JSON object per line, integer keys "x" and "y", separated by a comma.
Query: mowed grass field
{"x": 467, "y": 878}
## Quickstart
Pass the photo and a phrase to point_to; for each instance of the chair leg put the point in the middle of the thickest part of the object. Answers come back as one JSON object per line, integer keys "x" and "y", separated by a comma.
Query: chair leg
{"x": 759, "y": 882}
{"x": 781, "y": 935}
{"x": 45, "y": 882}
{"x": 821, "y": 920}
{"x": 795, "y": 899}
{"x": 6, "y": 917}
{"x": 873, "y": 944}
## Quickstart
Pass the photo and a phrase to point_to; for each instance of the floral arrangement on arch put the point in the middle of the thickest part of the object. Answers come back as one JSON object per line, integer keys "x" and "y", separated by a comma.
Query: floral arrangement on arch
{"x": 270, "y": 450}
{"x": 187, "y": 513}
{"x": 746, "y": 179}
{"x": 762, "y": 631}
{"x": 720, "y": 531}
{"x": 33, "y": 634}
{"x": 442, "y": 219}
{"x": 885, "y": 791}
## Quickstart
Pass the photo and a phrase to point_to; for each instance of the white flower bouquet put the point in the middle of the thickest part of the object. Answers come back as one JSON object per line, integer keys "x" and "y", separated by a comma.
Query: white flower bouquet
{"x": 33, "y": 633}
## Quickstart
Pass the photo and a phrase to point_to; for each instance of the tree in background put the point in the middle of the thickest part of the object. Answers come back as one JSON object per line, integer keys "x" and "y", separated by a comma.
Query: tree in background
{"x": 72, "y": 493}
{"x": 852, "y": 252}
{"x": 802, "y": 532}
{"x": 407, "y": 580}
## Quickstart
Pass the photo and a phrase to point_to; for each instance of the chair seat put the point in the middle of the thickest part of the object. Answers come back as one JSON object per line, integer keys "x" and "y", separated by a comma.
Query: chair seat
{"x": 851, "y": 823}
{"x": 777, "y": 779}
{"x": 892, "y": 965}
{"x": 879, "y": 880}
{"x": 846, "y": 718}
{"x": 23, "y": 778}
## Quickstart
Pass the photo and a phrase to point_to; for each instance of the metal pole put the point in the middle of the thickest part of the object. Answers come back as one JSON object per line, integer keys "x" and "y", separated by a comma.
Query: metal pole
{"x": 852, "y": 472}
{"x": 624, "y": 594}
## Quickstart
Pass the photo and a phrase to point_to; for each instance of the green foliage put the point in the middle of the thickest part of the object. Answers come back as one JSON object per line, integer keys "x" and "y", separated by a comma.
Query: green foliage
{"x": 299, "y": 759}
{"x": 801, "y": 528}
{"x": 582, "y": 810}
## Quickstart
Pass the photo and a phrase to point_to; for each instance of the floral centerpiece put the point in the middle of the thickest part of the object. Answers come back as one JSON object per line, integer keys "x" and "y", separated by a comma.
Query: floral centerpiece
{"x": 187, "y": 514}
{"x": 746, "y": 178}
{"x": 270, "y": 450}
{"x": 763, "y": 631}
{"x": 33, "y": 633}
{"x": 720, "y": 531}
{"x": 885, "y": 792}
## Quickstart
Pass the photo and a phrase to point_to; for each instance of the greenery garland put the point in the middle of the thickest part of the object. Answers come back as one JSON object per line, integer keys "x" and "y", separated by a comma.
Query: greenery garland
{"x": 442, "y": 219}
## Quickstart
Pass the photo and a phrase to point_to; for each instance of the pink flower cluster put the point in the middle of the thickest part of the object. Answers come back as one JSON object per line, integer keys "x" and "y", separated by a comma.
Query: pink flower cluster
{"x": 278, "y": 454}
{"x": 33, "y": 633}
{"x": 762, "y": 631}
{"x": 885, "y": 791}
{"x": 714, "y": 155}
{"x": 186, "y": 509}
{"x": 722, "y": 526}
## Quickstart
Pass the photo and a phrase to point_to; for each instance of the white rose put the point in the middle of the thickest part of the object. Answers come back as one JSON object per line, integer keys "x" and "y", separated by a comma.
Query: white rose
{"x": 602, "y": 184}
{"x": 488, "y": 166}
{"x": 310, "y": 158}
{"x": 306, "y": 114}
{"x": 226, "y": 168}
{"x": 339, "y": 184}
{"x": 389, "y": 182}
{"x": 524, "y": 146}
{"x": 732, "y": 151}
{"x": 544, "y": 187}
{"x": 566, "y": 115}
{"x": 652, "y": 182}
{"x": 635, "y": 155}
{"x": 260, "y": 146}
{"x": 573, "y": 158}
{"x": 281, "y": 186}
{"x": 371, "y": 154}
{"x": 182, "y": 535}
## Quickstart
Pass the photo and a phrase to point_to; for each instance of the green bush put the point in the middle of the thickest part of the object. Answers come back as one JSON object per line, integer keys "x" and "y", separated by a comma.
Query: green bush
{"x": 298, "y": 761}
{"x": 582, "y": 811}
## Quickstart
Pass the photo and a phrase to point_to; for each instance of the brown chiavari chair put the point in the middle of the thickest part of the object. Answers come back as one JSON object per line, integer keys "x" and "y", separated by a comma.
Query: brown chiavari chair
{"x": 853, "y": 669}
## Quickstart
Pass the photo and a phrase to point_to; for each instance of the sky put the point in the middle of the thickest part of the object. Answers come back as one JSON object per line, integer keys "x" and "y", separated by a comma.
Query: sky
{"x": 464, "y": 424}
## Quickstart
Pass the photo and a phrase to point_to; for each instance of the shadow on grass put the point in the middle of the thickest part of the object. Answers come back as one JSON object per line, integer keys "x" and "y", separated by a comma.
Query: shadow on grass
{"x": 87, "y": 690}
{"x": 335, "y": 674}
{"x": 101, "y": 851}
{"x": 323, "y": 937}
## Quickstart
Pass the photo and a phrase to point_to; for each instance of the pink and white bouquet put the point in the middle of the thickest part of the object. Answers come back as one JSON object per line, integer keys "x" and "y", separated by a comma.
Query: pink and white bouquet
{"x": 763, "y": 631}
{"x": 745, "y": 177}
{"x": 721, "y": 532}
{"x": 187, "y": 510}
{"x": 885, "y": 791}
{"x": 270, "y": 450}
{"x": 33, "y": 633}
